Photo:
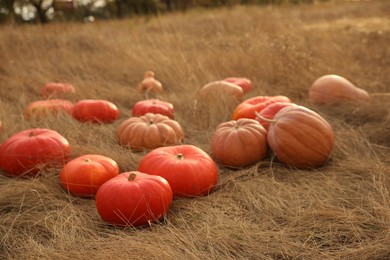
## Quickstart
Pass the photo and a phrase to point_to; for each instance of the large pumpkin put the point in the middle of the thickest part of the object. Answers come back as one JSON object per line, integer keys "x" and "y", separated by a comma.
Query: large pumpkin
{"x": 42, "y": 108}
{"x": 300, "y": 137}
{"x": 244, "y": 83}
{"x": 84, "y": 175}
{"x": 239, "y": 143}
{"x": 133, "y": 199}
{"x": 95, "y": 111}
{"x": 149, "y": 131}
{"x": 331, "y": 89}
{"x": 56, "y": 89}
{"x": 248, "y": 107}
{"x": 30, "y": 151}
{"x": 189, "y": 170}
{"x": 154, "y": 106}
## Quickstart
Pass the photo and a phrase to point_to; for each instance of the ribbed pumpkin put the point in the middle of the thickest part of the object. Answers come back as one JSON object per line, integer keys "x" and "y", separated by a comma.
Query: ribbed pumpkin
{"x": 239, "y": 143}
{"x": 331, "y": 89}
{"x": 149, "y": 131}
{"x": 300, "y": 137}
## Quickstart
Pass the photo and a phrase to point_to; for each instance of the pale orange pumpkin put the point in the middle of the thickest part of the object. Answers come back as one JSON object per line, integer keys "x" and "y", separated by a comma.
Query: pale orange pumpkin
{"x": 150, "y": 84}
{"x": 331, "y": 89}
{"x": 300, "y": 137}
{"x": 219, "y": 89}
{"x": 149, "y": 131}
{"x": 239, "y": 143}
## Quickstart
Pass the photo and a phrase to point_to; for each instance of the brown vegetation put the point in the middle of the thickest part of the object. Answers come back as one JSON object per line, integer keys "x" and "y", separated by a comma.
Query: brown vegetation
{"x": 265, "y": 211}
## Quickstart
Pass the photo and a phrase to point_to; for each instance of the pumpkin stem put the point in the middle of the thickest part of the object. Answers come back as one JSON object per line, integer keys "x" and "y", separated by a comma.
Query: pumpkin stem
{"x": 180, "y": 156}
{"x": 31, "y": 134}
{"x": 150, "y": 121}
{"x": 271, "y": 121}
{"x": 132, "y": 176}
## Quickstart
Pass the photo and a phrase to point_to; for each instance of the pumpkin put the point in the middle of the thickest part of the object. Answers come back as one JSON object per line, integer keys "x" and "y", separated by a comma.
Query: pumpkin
{"x": 55, "y": 89}
{"x": 30, "y": 151}
{"x": 190, "y": 171}
{"x": 150, "y": 84}
{"x": 149, "y": 131}
{"x": 248, "y": 107}
{"x": 270, "y": 111}
{"x": 300, "y": 137}
{"x": 239, "y": 143}
{"x": 220, "y": 89}
{"x": 244, "y": 83}
{"x": 95, "y": 111}
{"x": 154, "y": 106}
{"x": 133, "y": 199}
{"x": 42, "y": 108}
{"x": 84, "y": 175}
{"x": 331, "y": 89}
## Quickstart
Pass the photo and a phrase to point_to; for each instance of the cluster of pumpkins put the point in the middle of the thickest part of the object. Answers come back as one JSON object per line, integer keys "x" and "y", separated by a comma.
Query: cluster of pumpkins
{"x": 298, "y": 136}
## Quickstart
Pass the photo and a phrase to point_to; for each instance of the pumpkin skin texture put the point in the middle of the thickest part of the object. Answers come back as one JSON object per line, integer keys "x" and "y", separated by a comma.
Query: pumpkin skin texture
{"x": 244, "y": 83}
{"x": 270, "y": 111}
{"x": 220, "y": 89}
{"x": 28, "y": 152}
{"x": 154, "y": 106}
{"x": 189, "y": 170}
{"x": 149, "y": 131}
{"x": 133, "y": 199}
{"x": 42, "y": 108}
{"x": 150, "y": 84}
{"x": 332, "y": 89}
{"x": 300, "y": 137}
{"x": 53, "y": 89}
{"x": 248, "y": 107}
{"x": 95, "y": 111}
{"x": 239, "y": 143}
{"x": 84, "y": 175}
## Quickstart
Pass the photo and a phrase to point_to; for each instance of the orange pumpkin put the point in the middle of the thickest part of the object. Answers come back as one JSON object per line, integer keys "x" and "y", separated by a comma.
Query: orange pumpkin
{"x": 244, "y": 83}
{"x": 331, "y": 89}
{"x": 149, "y": 131}
{"x": 300, "y": 137}
{"x": 239, "y": 143}
{"x": 220, "y": 89}
{"x": 41, "y": 108}
{"x": 150, "y": 84}
{"x": 55, "y": 89}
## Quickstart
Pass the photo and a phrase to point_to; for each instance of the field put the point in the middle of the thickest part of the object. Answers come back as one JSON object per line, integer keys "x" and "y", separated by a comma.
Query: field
{"x": 264, "y": 211}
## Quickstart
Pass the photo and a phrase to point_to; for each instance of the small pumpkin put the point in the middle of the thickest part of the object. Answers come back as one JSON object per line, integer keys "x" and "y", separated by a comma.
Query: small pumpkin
{"x": 238, "y": 143}
{"x": 154, "y": 106}
{"x": 248, "y": 107}
{"x": 332, "y": 89}
{"x": 150, "y": 84}
{"x": 84, "y": 175}
{"x": 42, "y": 108}
{"x": 30, "y": 151}
{"x": 270, "y": 111}
{"x": 56, "y": 89}
{"x": 189, "y": 170}
{"x": 95, "y": 111}
{"x": 220, "y": 89}
{"x": 133, "y": 199}
{"x": 300, "y": 137}
{"x": 149, "y": 131}
{"x": 244, "y": 83}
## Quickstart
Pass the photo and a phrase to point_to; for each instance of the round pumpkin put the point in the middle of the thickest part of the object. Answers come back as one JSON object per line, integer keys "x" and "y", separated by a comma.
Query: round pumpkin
{"x": 220, "y": 89}
{"x": 30, "y": 151}
{"x": 133, "y": 199}
{"x": 238, "y": 143}
{"x": 189, "y": 170}
{"x": 300, "y": 137}
{"x": 55, "y": 89}
{"x": 331, "y": 89}
{"x": 270, "y": 111}
{"x": 244, "y": 83}
{"x": 84, "y": 175}
{"x": 150, "y": 84}
{"x": 95, "y": 111}
{"x": 248, "y": 107}
{"x": 149, "y": 131}
{"x": 43, "y": 108}
{"x": 154, "y": 106}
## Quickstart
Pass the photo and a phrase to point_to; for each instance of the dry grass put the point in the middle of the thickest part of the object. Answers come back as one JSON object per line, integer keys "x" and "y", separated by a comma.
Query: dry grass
{"x": 266, "y": 211}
